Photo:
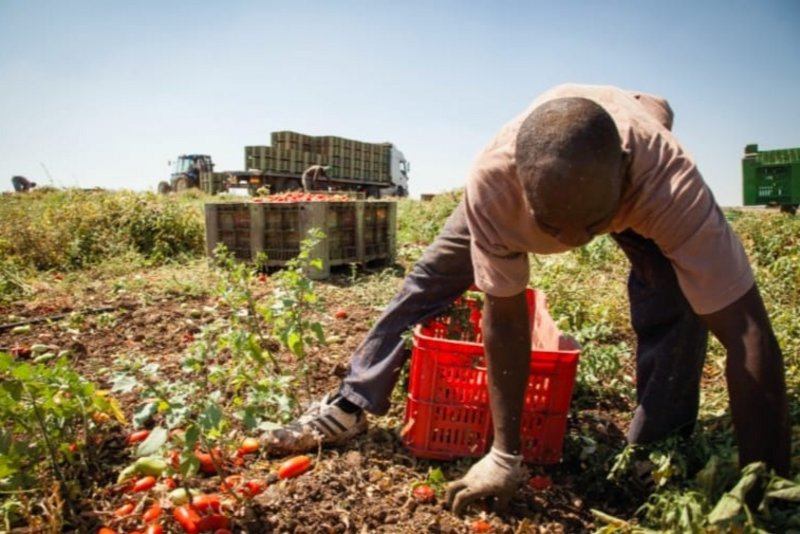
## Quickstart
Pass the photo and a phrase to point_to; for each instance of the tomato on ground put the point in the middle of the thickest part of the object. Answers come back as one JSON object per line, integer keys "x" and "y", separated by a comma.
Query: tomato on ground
{"x": 124, "y": 510}
{"x": 152, "y": 513}
{"x": 294, "y": 466}
{"x": 143, "y": 484}
{"x": 248, "y": 446}
{"x": 540, "y": 482}
{"x": 138, "y": 436}
{"x": 187, "y": 518}
{"x": 423, "y": 493}
{"x": 203, "y": 503}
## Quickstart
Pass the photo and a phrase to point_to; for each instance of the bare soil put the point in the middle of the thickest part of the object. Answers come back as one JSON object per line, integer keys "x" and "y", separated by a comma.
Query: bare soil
{"x": 364, "y": 486}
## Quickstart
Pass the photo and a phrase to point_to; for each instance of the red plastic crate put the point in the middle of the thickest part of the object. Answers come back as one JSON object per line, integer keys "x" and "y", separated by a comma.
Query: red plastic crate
{"x": 447, "y": 410}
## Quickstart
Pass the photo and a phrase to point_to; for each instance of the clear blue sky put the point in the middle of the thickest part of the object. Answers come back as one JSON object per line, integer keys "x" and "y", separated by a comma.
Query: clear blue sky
{"x": 103, "y": 93}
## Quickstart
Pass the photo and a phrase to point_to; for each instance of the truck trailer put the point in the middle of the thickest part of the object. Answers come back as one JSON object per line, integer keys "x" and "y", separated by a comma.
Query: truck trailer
{"x": 374, "y": 169}
{"x": 771, "y": 178}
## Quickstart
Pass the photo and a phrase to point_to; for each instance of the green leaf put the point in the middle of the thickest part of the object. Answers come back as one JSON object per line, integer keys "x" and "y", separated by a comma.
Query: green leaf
{"x": 22, "y": 372}
{"x": 732, "y": 503}
{"x": 124, "y": 383}
{"x": 786, "y": 494}
{"x": 144, "y": 414}
{"x": 14, "y": 389}
{"x": 154, "y": 442}
{"x": 191, "y": 436}
{"x": 211, "y": 417}
{"x": 295, "y": 343}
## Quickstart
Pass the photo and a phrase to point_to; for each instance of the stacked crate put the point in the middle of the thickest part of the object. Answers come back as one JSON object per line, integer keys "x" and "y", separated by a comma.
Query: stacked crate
{"x": 212, "y": 182}
{"x": 355, "y": 231}
{"x": 292, "y": 152}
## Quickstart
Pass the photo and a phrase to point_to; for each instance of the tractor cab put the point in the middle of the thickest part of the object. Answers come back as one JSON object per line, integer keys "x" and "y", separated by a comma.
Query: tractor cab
{"x": 186, "y": 172}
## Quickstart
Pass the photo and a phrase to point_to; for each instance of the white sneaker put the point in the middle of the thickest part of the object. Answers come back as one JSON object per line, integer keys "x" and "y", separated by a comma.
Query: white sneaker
{"x": 323, "y": 423}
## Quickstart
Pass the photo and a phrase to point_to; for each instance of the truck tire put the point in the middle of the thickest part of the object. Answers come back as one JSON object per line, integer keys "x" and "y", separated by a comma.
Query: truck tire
{"x": 789, "y": 208}
{"x": 373, "y": 192}
{"x": 163, "y": 188}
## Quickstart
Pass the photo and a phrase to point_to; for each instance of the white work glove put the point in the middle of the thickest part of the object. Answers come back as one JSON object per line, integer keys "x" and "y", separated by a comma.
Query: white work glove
{"x": 498, "y": 475}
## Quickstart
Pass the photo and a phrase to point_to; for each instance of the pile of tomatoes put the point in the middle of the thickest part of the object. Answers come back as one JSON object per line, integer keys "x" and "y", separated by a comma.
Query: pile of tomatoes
{"x": 145, "y": 497}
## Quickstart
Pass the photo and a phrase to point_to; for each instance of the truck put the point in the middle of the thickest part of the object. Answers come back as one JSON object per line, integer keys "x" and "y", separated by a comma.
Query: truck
{"x": 771, "y": 178}
{"x": 374, "y": 169}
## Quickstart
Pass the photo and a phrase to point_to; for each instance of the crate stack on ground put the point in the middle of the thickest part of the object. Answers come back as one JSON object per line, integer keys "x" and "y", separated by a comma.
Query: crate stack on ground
{"x": 447, "y": 410}
{"x": 355, "y": 231}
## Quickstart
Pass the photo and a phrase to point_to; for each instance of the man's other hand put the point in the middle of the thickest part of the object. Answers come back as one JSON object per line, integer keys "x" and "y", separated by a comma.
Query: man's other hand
{"x": 497, "y": 475}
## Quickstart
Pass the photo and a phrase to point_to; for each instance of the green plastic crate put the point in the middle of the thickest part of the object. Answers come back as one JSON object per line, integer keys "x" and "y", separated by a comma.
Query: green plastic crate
{"x": 771, "y": 177}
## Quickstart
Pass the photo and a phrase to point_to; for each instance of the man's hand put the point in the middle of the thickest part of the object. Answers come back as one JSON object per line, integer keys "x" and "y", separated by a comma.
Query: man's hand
{"x": 497, "y": 475}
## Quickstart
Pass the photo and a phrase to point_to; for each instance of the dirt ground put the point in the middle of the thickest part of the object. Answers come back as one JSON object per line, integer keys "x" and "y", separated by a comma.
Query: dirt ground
{"x": 364, "y": 486}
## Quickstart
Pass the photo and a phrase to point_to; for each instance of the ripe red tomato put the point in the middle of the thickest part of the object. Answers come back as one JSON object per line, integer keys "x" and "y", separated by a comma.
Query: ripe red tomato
{"x": 155, "y": 528}
{"x": 106, "y": 530}
{"x": 124, "y": 510}
{"x": 294, "y": 466}
{"x": 206, "y": 462}
{"x": 253, "y": 487}
{"x": 203, "y": 503}
{"x": 248, "y": 446}
{"x": 423, "y": 493}
{"x": 152, "y": 513}
{"x": 138, "y": 436}
{"x": 341, "y": 314}
{"x": 540, "y": 482}
{"x": 143, "y": 484}
{"x": 186, "y": 518}
{"x": 213, "y": 522}
{"x": 479, "y": 525}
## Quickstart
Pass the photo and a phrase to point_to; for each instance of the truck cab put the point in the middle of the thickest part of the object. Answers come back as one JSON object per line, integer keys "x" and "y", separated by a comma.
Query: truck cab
{"x": 399, "y": 167}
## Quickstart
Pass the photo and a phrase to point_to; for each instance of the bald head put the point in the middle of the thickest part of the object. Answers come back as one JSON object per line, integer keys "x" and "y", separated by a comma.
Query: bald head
{"x": 569, "y": 161}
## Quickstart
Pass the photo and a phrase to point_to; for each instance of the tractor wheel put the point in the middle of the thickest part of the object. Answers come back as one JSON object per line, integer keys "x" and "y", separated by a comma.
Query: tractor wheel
{"x": 182, "y": 183}
{"x": 163, "y": 188}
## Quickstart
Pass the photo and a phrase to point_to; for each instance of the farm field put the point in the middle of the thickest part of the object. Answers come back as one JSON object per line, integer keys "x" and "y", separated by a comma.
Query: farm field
{"x": 113, "y": 321}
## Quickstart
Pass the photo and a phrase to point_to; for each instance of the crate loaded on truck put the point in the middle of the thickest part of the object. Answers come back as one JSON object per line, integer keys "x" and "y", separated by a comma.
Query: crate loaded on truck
{"x": 771, "y": 178}
{"x": 372, "y": 169}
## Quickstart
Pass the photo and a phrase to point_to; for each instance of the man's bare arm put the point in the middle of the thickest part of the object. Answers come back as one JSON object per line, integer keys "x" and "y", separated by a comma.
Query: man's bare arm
{"x": 756, "y": 383}
{"x": 507, "y": 340}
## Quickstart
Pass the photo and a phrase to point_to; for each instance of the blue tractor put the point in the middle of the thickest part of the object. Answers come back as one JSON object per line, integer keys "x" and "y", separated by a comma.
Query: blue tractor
{"x": 186, "y": 173}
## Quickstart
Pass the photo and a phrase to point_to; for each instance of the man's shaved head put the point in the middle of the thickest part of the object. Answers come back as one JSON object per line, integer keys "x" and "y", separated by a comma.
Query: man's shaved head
{"x": 569, "y": 160}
